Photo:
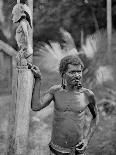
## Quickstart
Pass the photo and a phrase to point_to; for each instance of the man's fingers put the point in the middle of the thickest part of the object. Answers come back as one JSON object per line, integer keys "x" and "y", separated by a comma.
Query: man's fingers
{"x": 29, "y": 65}
{"x": 36, "y": 72}
{"x": 80, "y": 143}
{"x": 32, "y": 66}
{"x": 81, "y": 149}
{"x": 33, "y": 70}
{"x": 35, "y": 67}
{"x": 80, "y": 146}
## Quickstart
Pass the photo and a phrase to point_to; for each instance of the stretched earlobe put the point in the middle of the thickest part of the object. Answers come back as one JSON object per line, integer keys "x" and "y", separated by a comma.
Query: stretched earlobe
{"x": 63, "y": 82}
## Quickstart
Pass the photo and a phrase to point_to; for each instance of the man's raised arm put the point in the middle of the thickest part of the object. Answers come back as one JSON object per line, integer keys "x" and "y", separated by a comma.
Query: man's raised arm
{"x": 39, "y": 102}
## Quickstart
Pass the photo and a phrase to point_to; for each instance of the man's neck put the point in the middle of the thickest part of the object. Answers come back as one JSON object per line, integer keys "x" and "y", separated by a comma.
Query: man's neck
{"x": 73, "y": 88}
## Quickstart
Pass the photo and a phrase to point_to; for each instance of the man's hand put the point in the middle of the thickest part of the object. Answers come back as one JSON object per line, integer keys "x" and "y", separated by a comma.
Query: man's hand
{"x": 81, "y": 146}
{"x": 35, "y": 70}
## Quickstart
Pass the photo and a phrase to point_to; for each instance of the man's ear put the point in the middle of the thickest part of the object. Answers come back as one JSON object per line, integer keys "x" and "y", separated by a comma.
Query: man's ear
{"x": 63, "y": 75}
{"x": 63, "y": 81}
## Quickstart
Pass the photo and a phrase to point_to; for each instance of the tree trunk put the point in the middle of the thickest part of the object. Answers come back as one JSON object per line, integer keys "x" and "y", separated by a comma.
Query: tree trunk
{"x": 20, "y": 107}
{"x": 109, "y": 24}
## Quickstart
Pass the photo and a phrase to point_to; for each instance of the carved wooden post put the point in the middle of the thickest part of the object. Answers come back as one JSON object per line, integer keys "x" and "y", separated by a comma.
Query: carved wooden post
{"x": 22, "y": 82}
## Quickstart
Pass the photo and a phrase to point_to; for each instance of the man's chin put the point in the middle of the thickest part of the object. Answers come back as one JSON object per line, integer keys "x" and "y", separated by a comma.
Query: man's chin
{"x": 76, "y": 84}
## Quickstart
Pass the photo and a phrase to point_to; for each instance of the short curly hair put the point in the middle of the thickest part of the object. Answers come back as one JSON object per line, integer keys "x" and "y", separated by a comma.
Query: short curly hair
{"x": 70, "y": 59}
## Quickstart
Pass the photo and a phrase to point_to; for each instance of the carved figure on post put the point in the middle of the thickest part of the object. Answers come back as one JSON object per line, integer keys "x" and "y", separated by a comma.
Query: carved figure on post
{"x": 22, "y": 17}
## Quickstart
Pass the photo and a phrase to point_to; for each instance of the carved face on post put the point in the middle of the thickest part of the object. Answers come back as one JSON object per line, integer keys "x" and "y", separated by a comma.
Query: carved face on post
{"x": 21, "y": 10}
{"x": 18, "y": 12}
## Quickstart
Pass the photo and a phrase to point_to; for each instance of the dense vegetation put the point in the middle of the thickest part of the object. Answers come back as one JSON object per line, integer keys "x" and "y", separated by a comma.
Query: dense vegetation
{"x": 50, "y": 15}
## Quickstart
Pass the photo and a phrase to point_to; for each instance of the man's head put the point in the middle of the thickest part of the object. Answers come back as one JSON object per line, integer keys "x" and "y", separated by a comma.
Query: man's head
{"x": 71, "y": 70}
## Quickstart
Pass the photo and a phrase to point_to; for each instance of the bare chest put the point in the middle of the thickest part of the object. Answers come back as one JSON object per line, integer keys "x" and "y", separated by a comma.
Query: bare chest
{"x": 66, "y": 101}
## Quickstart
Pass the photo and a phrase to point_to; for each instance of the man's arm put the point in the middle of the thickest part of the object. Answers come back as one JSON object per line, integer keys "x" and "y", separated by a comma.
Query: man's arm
{"x": 93, "y": 109}
{"x": 95, "y": 116}
{"x": 38, "y": 102}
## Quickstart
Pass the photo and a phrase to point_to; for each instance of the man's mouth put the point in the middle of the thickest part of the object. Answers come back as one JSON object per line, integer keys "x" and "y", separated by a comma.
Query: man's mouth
{"x": 77, "y": 83}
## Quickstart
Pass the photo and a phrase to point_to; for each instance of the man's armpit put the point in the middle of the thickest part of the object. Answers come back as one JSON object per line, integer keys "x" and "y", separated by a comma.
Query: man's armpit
{"x": 91, "y": 99}
{"x": 92, "y": 106}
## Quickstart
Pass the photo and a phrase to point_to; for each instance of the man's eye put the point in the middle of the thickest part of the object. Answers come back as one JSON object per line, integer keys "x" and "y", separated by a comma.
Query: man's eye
{"x": 73, "y": 72}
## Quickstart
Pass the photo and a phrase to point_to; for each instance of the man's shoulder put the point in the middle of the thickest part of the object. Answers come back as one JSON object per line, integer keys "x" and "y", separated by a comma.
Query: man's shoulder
{"x": 88, "y": 92}
{"x": 90, "y": 96}
{"x": 55, "y": 88}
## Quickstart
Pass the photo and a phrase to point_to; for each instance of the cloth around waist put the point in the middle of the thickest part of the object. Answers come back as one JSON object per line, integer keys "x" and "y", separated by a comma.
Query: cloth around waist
{"x": 61, "y": 149}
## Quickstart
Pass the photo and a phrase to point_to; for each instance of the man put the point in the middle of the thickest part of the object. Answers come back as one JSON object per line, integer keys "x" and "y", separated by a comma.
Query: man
{"x": 71, "y": 101}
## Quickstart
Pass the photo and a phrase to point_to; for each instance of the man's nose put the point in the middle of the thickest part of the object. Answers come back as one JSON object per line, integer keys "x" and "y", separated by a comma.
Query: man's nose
{"x": 78, "y": 75}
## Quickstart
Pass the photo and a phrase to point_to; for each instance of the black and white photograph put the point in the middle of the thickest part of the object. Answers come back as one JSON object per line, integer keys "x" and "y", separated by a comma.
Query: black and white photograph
{"x": 57, "y": 77}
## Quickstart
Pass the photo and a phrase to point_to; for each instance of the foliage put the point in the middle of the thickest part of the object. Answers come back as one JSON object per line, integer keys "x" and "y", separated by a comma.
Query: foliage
{"x": 49, "y": 16}
{"x": 51, "y": 54}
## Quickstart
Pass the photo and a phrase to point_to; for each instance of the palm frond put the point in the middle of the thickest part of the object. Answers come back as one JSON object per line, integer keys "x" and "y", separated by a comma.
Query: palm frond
{"x": 94, "y": 43}
{"x": 51, "y": 54}
{"x": 68, "y": 39}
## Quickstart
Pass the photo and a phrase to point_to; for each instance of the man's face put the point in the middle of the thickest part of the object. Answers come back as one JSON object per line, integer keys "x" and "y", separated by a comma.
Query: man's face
{"x": 73, "y": 75}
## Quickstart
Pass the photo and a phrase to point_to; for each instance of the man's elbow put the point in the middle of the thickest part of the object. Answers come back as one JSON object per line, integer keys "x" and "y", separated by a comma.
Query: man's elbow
{"x": 96, "y": 118}
{"x": 35, "y": 107}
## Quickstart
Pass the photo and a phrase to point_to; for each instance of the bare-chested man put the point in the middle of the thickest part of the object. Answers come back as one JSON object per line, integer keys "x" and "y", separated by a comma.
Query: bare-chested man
{"x": 71, "y": 101}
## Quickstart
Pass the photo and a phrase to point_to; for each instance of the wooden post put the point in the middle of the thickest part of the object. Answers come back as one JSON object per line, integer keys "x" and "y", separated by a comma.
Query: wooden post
{"x": 1, "y": 59}
{"x": 18, "y": 1}
{"x": 23, "y": 102}
{"x": 2, "y": 62}
{"x": 30, "y": 4}
{"x": 109, "y": 24}
{"x": 22, "y": 89}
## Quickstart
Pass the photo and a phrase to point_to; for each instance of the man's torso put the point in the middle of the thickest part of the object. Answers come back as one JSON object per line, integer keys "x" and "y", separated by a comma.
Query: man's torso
{"x": 69, "y": 117}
